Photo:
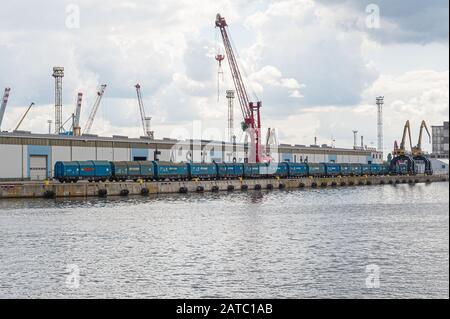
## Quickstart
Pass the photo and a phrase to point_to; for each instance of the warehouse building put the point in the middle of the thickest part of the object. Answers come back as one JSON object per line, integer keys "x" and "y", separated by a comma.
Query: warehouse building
{"x": 26, "y": 156}
{"x": 440, "y": 142}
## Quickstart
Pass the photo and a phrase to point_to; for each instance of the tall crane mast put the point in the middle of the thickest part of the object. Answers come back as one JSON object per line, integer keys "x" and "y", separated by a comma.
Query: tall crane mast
{"x": 76, "y": 119}
{"x": 3, "y": 105}
{"x": 250, "y": 110}
{"x": 145, "y": 119}
{"x": 23, "y": 116}
{"x": 88, "y": 126}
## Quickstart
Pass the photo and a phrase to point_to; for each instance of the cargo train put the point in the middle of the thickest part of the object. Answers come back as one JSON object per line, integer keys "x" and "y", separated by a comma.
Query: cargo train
{"x": 158, "y": 171}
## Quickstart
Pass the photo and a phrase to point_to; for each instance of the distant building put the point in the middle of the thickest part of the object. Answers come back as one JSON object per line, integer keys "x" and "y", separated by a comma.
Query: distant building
{"x": 440, "y": 141}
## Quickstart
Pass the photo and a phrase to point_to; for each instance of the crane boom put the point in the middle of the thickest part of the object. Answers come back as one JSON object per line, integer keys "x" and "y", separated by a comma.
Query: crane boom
{"x": 406, "y": 129}
{"x": 100, "y": 93}
{"x": 3, "y": 105}
{"x": 141, "y": 107}
{"x": 418, "y": 149}
{"x": 23, "y": 116}
{"x": 250, "y": 110}
{"x": 76, "y": 120}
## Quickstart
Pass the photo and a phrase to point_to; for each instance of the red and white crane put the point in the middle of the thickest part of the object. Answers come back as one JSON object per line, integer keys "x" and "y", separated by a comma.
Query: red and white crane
{"x": 250, "y": 110}
{"x": 3, "y": 105}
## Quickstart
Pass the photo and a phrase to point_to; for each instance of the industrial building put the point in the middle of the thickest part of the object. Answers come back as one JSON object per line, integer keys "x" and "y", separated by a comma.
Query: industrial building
{"x": 440, "y": 145}
{"x": 26, "y": 156}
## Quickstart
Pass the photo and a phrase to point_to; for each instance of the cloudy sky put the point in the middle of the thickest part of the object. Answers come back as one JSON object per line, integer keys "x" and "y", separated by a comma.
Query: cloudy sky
{"x": 317, "y": 66}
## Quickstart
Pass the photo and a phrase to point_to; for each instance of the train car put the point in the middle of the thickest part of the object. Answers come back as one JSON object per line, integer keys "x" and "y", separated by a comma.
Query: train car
{"x": 251, "y": 170}
{"x": 229, "y": 170}
{"x": 365, "y": 169}
{"x": 147, "y": 170}
{"x": 95, "y": 170}
{"x": 119, "y": 171}
{"x": 355, "y": 169}
{"x": 202, "y": 170}
{"x": 315, "y": 169}
{"x": 280, "y": 170}
{"x": 297, "y": 169}
{"x": 376, "y": 169}
{"x": 170, "y": 171}
{"x": 332, "y": 169}
{"x": 67, "y": 171}
{"x": 345, "y": 169}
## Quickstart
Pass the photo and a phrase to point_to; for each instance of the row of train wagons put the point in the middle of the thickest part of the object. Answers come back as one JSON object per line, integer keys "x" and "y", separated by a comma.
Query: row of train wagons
{"x": 152, "y": 170}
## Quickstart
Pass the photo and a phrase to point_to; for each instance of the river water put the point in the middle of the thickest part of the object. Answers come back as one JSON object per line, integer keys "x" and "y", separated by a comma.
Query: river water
{"x": 388, "y": 241}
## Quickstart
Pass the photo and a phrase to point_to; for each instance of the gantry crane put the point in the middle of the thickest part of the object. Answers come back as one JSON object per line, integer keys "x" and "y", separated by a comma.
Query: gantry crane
{"x": 23, "y": 116}
{"x": 88, "y": 126}
{"x": 3, "y": 105}
{"x": 76, "y": 118}
{"x": 402, "y": 149}
{"x": 402, "y": 158}
{"x": 145, "y": 119}
{"x": 250, "y": 110}
{"x": 417, "y": 152}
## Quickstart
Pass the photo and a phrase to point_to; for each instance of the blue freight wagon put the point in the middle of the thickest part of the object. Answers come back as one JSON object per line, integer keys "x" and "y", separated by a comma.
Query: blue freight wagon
{"x": 365, "y": 169}
{"x": 95, "y": 170}
{"x": 202, "y": 170}
{"x": 297, "y": 169}
{"x": 251, "y": 170}
{"x": 332, "y": 169}
{"x": 315, "y": 169}
{"x": 147, "y": 170}
{"x": 376, "y": 169}
{"x": 229, "y": 170}
{"x": 278, "y": 169}
{"x": 171, "y": 171}
{"x": 67, "y": 171}
{"x": 355, "y": 169}
{"x": 345, "y": 169}
{"x": 119, "y": 171}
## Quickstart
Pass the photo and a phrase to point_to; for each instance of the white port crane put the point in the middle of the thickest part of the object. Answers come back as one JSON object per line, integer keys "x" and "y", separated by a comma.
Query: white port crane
{"x": 145, "y": 119}
{"x": 76, "y": 119}
{"x": 3, "y": 105}
{"x": 88, "y": 126}
{"x": 23, "y": 116}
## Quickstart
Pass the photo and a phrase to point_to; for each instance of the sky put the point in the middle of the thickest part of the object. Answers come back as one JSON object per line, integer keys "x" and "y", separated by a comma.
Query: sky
{"x": 317, "y": 66}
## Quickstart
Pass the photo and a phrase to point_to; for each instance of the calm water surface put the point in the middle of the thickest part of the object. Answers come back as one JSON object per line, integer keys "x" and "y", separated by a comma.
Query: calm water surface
{"x": 295, "y": 244}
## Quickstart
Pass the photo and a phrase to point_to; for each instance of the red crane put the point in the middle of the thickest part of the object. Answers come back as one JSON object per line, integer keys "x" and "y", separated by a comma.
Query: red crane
{"x": 250, "y": 110}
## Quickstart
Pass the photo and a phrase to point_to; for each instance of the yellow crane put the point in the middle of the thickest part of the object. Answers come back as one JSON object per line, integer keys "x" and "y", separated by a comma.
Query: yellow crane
{"x": 402, "y": 150}
{"x": 417, "y": 150}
